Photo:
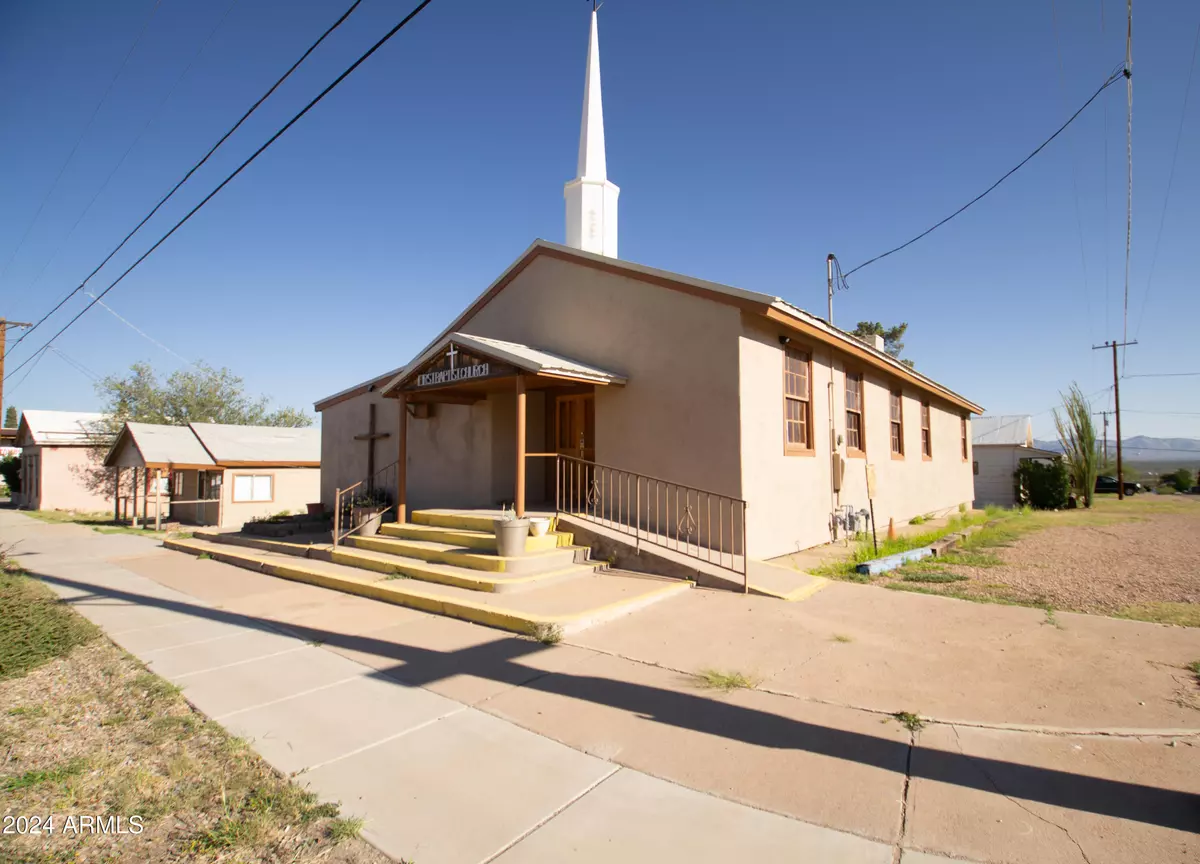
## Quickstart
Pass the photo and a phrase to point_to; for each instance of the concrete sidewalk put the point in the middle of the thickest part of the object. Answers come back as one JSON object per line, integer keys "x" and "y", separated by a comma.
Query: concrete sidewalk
{"x": 437, "y": 780}
{"x": 459, "y": 743}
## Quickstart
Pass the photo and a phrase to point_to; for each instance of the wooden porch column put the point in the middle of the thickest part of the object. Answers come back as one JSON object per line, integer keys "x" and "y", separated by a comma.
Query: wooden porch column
{"x": 117, "y": 494}
{"x": 519, "y": 504}
{"x": 402, "y": 460}
{"x": 157, "y": 499}
{"x": 145, "y": 495}
{"x": 135, "y": 497}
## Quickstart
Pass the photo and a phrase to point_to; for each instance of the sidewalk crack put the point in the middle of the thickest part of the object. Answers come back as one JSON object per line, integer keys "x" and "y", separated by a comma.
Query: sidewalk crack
{"x": 898, "y": 851}
{"x": 1032, "y": 813}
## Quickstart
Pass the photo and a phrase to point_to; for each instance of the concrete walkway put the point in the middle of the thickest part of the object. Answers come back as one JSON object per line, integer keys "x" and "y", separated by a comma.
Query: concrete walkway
{"x": 462, "y": 744}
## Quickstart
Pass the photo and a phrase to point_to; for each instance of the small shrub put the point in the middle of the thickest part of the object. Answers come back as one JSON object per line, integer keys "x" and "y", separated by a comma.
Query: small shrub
{"x": 1182, "y": 480}
{"x": 911, "y": 722}
{"x": 345, "y": 828}
{"x": 546, "y": 633}
{"x": 714, "y": 679}
{"x": 918, "y": 520}
{"x": 1042, "y": 485}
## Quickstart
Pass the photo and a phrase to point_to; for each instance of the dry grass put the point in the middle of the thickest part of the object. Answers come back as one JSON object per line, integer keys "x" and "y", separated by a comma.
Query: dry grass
{"x": 93, "y": 733}
{"x": 715, "y": 679}
{"x": 101, "y": 523}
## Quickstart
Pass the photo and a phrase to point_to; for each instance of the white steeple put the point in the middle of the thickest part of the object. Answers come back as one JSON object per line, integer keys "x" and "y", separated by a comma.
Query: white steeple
{"x": 591, "y": 199}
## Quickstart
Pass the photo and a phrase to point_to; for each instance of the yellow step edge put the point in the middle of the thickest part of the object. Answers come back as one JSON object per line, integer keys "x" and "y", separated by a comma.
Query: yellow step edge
{"x": 491, "y": 616}
{"x": 348, "y": 557}
{"x": 795, "y": 595}
{"x": 461, "y": 537}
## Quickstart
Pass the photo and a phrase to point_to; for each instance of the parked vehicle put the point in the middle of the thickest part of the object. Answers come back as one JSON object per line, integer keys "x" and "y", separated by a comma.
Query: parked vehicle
{"x": 1105, "y": 483}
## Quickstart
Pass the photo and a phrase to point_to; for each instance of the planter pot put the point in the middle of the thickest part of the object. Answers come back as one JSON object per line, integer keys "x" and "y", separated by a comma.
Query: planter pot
{"x": 510, "y": 536}
{"x": 538, "y": 526}
{"x": 317, "y": 509}
{"x": 367, "y": 519}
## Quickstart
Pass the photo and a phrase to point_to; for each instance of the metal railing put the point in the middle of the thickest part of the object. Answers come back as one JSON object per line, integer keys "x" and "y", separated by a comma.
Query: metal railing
{"x": 380, "y": 486}
{"x": 697, "y": 523}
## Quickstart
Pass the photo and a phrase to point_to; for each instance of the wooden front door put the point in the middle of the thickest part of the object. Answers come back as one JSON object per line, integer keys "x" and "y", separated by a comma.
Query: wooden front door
{"x": 575, "y": 426}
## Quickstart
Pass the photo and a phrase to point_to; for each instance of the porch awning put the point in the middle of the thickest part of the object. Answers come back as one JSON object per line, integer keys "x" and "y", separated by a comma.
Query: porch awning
{"x": 460, "y": 358}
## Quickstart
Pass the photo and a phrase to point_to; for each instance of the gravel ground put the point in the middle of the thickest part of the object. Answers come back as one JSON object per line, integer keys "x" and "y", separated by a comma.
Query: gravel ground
{"x": 1102, "y": 568}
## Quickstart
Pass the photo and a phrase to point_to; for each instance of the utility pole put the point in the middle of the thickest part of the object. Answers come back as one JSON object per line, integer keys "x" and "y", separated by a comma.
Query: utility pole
{"x": 4, "y": 325}
{"x": 829, "y": 281}
{"x": 1114, "y": 345}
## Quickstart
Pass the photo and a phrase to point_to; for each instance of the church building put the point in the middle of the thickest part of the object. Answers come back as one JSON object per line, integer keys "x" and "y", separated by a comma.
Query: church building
{"x": 581, "y": 383}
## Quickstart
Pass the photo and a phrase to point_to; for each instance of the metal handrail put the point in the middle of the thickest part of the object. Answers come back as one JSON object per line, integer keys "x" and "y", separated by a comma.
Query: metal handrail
{"x": 660, "y": 512}
{"x": 343, "y": 503}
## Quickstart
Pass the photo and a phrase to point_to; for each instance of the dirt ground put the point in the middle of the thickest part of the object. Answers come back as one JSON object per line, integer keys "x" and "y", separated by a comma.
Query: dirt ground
{"x": 1138, "y": 558}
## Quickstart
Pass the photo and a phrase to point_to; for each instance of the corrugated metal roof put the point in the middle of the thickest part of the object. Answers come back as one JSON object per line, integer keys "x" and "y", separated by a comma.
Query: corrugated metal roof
{"x": 1002, "y": 429}
{"x": 63, "y": 427}
{"x": 535, "y": 359}
{"x": 168, "y": 445}
{"x": 268, "y": 445}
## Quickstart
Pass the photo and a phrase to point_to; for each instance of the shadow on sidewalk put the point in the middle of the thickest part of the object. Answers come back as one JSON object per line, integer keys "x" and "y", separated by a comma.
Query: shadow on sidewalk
{"x": 499, "y": 661}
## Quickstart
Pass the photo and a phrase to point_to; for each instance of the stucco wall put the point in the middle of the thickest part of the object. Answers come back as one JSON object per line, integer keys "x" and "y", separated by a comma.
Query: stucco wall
{"x": 450, "y": 457}
{"x": 72, "y": 478}
{"x": 344, "y": 460}
{"x": 294, "y": 489}
{"x": 678, "y": 417}
{"x": 790, "y": 497}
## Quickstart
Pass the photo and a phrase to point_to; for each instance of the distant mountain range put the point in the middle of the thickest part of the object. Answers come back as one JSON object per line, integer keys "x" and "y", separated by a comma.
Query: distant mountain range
{"x": 1142, "y": 448}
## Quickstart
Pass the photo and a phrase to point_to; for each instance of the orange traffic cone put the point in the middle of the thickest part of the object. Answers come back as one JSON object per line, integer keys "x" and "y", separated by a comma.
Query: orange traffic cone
{"x": 891, "y": 529}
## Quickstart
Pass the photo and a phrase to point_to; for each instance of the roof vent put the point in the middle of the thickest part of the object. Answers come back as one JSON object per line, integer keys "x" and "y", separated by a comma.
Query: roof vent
{"x": 874, "y": 340}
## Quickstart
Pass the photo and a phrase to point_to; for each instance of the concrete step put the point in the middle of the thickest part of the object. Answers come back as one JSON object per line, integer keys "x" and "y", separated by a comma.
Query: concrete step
{"x": 411, "y": 568}
{"x": 468, "y": 539}
{"x": 469, "y": 520}
{"x": 562, "y": 606}
{"x": 457, "y": 556}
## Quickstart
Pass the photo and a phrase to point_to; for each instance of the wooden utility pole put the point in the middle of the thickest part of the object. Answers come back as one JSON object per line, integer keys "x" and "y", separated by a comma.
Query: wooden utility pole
{"x": 4, "y": 325}
{"x": 1114, "y": 345}
{"x": 1104, "y": 415}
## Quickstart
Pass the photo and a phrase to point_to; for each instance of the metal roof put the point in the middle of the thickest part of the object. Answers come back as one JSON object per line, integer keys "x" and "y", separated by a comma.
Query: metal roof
{"x": 525, "y": 357}
{"x": 64, "y": 427}
{"x": 164, "y": 445}
{"x": 1010, "y": 429}
{"x": 266, "y": 445}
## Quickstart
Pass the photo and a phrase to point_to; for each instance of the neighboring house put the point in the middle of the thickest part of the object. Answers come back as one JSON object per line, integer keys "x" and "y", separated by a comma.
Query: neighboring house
{"x": 216, "y": 474}
{"x": 60, "y": 466}
{"x": 1000, "y": 444}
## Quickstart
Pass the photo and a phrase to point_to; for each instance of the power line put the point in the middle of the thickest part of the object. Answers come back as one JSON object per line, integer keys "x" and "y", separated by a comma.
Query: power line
{"x": 1129, "y": 199}
{"x": 37, "y": 358}
{"x": 1170, "y": 179}
{"x": 1164, "y": 413}
{"x": 1112, "y": 79}
{"x": 242, "y": 167}
{"x": 86, "y": 128}
{"x": 75, "y": 364}
{"x": 139, "y": 331}
{"x": 149, "y": 120}
{"x": 1163, "y": 375}
{"x": 1107, "y": 302}
{"x": 195, "y": 168}
{"x": 1062, "y": 92}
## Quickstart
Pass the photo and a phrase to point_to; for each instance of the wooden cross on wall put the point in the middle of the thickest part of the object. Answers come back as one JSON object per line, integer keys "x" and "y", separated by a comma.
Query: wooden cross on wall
{"x": 370, "y": 437}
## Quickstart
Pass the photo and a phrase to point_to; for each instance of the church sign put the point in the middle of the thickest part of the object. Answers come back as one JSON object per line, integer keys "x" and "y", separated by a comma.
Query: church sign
{"x": 455, "y": 366}
{"x": 451, "y": 376}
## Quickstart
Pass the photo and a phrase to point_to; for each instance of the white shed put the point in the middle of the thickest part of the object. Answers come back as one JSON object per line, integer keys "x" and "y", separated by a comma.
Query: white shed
{"x": 999, "y": 445}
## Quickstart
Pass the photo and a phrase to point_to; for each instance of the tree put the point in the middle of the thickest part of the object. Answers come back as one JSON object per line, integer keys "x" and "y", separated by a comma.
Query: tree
{"x": 1182, "y": 480}
{"x": 11, "y": 417}
{"x": 193, "y": 395}
{"x": 893, "y": 337}
{"x": 1077, "y": 434}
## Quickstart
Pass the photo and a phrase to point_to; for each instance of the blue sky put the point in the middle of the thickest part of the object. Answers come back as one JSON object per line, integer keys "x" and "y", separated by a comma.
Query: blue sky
{"x": 748, "y": 140}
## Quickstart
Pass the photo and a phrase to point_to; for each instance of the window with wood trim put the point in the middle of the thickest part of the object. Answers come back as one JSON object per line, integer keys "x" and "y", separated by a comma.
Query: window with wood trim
{"x": 926, "y": 432}
{"x": 177, "y": 484}
{"x": 797, "y": 401}
{"x": 965, "y": 443}
{"x": 855, "y": 438}
{"x": 896, "y": 411}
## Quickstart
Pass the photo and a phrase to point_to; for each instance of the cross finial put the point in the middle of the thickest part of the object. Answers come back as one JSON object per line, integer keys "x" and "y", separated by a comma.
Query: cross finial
{"x": 451, "y": 354}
